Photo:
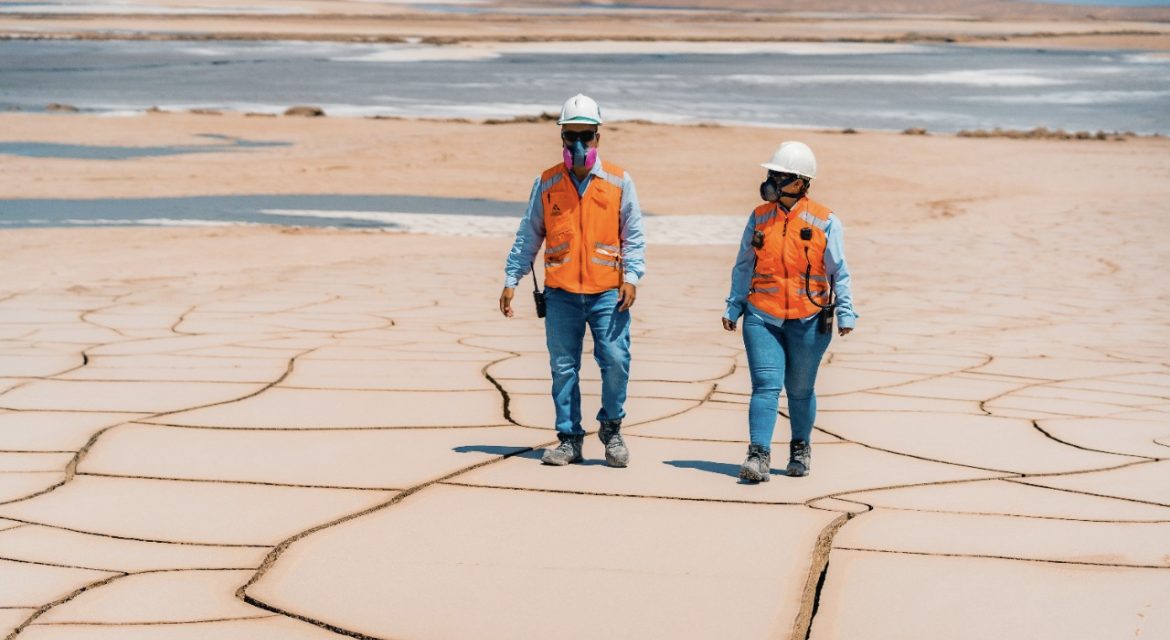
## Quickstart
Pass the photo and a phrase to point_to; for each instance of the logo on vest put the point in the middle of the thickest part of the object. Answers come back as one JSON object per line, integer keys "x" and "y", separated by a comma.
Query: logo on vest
{"x": 556, "y": 210}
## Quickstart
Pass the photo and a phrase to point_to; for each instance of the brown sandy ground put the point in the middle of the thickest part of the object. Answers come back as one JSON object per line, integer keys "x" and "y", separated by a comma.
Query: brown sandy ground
{"x": 261, "y": 433}
{"x": 875, "y": 178}
{"x": 992, "y": 22}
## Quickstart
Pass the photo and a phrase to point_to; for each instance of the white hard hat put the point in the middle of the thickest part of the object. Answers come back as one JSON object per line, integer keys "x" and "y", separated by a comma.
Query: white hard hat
{"x": 793, "y": 157}
{"x": 580, "y": 109}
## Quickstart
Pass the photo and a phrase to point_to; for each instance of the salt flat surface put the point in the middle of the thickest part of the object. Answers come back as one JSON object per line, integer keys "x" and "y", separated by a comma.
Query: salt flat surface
{"x": 331, "y": 428}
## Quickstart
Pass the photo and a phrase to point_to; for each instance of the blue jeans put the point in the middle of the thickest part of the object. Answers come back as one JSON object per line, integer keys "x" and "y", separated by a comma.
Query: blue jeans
{"x": 782, "y": 357}
{"x": 564, "y": 329}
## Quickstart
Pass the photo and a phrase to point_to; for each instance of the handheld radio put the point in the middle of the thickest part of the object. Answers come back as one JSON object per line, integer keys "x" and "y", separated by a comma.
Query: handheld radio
{"x": 537, "y": 294}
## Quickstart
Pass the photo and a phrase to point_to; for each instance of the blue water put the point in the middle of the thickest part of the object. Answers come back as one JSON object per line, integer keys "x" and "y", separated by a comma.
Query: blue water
{"x": 236, "y": 209}
{"x": 940, "y": 87}
{"x": 112, "y": 152}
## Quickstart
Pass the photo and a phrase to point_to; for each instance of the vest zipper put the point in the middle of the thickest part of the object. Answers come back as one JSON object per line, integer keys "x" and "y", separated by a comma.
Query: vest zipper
{"x": 783, "y": 262}
{"x": 581, "y": 224}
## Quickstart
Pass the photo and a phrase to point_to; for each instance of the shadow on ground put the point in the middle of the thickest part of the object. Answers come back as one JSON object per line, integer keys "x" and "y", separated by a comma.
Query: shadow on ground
{"x": 722, "y": 468}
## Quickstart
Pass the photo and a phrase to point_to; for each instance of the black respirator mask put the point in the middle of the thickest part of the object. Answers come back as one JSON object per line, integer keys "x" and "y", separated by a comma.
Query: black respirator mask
{"x": 771, "y": 187}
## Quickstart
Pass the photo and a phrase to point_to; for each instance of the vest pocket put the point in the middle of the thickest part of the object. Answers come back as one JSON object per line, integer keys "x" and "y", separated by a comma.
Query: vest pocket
{"x": 606, "y": 255}
{"x": 559, "y": 213}
{"x": 764, "y": 282}
{"x": 556, "y": 255}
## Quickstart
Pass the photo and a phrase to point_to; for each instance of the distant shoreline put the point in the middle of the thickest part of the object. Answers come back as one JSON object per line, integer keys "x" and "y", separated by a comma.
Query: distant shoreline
{"x": 1035, "y": 133}
{"x": 1150, "y": 40}
{"x": 974, "y": 22}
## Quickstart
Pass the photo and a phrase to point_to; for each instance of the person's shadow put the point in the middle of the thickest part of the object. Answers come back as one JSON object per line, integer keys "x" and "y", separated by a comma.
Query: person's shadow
{"x": 721, "y": 468}
{"x": 516, "y": 452}
{"x": 497, "y": 450}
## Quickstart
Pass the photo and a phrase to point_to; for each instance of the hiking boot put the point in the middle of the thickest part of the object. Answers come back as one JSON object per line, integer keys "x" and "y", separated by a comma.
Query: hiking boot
{"x": 758, "y": 465}
{"x": 616, "y": 453}
{"x": 799, "y": 458}
{"x": 568, "y": 452}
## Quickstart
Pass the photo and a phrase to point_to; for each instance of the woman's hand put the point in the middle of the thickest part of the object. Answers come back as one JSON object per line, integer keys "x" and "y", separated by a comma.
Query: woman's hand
{"x": 728, "y": 325}
{"x": 626, "y": 294}
{"x": 844, "y": 331}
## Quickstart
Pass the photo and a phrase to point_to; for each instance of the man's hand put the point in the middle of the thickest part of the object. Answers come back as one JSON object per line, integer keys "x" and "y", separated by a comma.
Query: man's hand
{"x": 729, "y": 325}
{"x": 844, "y": 331}
{"x": 506, "y": 301}
{"x": 626, "y": 295}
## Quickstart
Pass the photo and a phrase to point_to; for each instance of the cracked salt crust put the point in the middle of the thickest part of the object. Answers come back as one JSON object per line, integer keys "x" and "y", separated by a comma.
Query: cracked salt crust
{"x": 713, "y": 421}
{"x": 537, "y": 411}
{"x": 35, "y": 543}
{"x": 536, "y": 547}
{"x": 1144, "y": 481}
{"x": 708, "y": 470}
{"x": 638, "y": 388}
{"x": 975, "y": 598}
{"x": 9, "y": 618}
{"x": 179, "y": 368}
{"x": 191, "y": 512}
{"x": 877, "y": 402}
{"x": 175, "y": 344}
{"x": 1013, "y": 498}
{"x": 31, "y": 585}
{"x": 432, "y": 376}
{"x": 54, "y": 430}
{"x": 1004, "y": 444}
{"x": 1132, "y": 437}
{"x": 34, "y": 365}
{"x": 386, "y": 458}
{"x": 269, "y": 627}
{"x": 1063, "y": 368}
{"x": 1093, "y": 543}
{"x": 168, "y": 596}
{"x": 24, "y": 462}
{"x": 15, "y": 486}
{"x": 9, "y": 383}
{"x": 280, "y": 408}
{"x": 121, "y": 396}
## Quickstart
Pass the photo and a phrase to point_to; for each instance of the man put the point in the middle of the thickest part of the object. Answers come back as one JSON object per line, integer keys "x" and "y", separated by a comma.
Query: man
{"x": 586, "y": 213}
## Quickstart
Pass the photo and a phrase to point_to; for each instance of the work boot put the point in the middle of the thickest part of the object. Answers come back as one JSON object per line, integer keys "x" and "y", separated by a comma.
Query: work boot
{"x": 758, "y": 465}
{"x": 568, "y": 452}
{"x": 799, "y": 458}
{"x": 616, "y": 453}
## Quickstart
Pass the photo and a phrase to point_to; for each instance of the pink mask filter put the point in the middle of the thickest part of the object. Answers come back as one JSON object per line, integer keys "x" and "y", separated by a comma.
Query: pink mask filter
{"x": 579, "y": 156}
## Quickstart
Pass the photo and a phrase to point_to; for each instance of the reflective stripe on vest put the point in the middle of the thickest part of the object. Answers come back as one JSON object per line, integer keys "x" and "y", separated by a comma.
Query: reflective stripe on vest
{"x": 778, "y": 286}
{"x": 582, "y": 233}
{"x": 545, "y": 185}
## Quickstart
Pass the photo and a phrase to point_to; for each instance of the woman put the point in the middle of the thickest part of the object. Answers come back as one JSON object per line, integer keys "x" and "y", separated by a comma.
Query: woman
{"x": 789, "y": 279}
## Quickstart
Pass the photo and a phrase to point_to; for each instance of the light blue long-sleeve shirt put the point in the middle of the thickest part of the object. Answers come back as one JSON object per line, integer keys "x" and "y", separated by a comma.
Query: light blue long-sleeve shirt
{"x": 835, "y": 268}
{"x": 531, "y": 233}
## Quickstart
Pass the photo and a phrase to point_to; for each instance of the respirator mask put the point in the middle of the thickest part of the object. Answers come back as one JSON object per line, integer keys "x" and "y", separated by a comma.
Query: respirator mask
{"x": 770, "y": 188}
{"x": 578, "y": 154}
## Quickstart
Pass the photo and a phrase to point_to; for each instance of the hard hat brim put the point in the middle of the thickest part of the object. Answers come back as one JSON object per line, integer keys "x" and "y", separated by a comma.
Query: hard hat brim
{"x": 580, "y": 120}
{"x": 775, "y": 167}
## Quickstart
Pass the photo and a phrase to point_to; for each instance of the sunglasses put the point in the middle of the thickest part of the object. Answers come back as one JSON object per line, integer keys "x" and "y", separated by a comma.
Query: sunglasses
{"x": 574, "y": 136}
{"x": 782, "y": 177}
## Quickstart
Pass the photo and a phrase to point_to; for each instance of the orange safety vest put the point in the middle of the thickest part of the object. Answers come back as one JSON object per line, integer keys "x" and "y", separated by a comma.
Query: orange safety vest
{"x": 582, "y": 251}
{"x": 778, "y": 282}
